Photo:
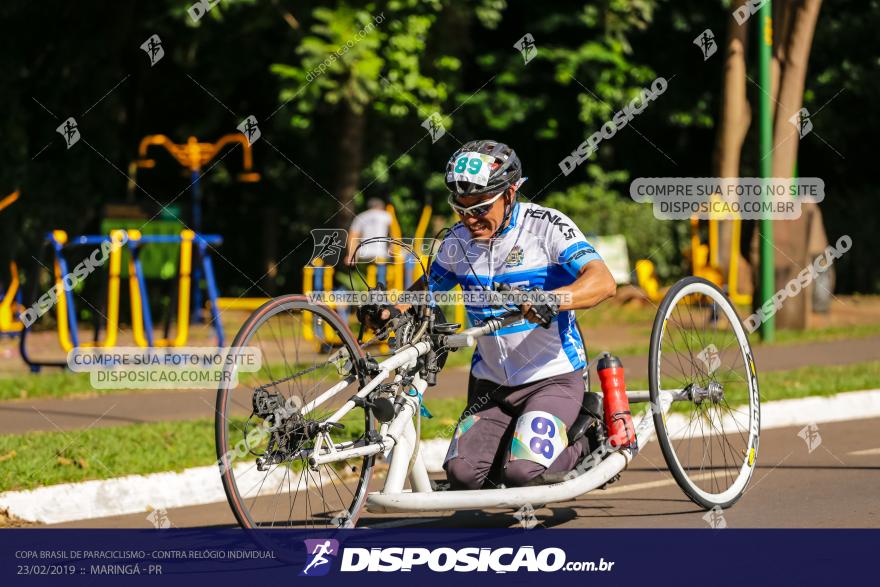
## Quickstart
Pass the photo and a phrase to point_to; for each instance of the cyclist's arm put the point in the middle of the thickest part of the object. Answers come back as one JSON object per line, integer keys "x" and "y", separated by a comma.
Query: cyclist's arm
{"x": 385, "y": 313}
{"x": 418, "y": 285}
{"x": 593, "y": 285}
{"x": 353, "y": 239}
{"x": 441, "y": 279}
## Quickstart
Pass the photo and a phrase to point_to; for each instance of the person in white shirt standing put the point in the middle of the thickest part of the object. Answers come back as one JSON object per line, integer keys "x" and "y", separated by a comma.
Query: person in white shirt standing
{"x": 375, "y": 222}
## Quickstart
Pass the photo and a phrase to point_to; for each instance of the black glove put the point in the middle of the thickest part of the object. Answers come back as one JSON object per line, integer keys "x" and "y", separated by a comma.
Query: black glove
{"x": 543, "y": 305}
{"x": 371, "y": 314}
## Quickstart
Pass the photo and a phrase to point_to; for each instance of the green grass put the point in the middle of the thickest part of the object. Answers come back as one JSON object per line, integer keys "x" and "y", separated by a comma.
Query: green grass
{"x": 802, "y": 382}
{"x": 785, "y": 337}
{"x": 59, "y": 384}
{"x": 48, "y": 384}
{"x": 45, "y": 458}
{"x": 616, "y": 314}
{"x": 818, "y": 380}
{"x": 65, "y": 384}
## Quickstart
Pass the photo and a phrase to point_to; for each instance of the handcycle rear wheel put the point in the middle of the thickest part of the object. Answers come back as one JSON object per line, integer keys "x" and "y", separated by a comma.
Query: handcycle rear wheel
{"x": 304, "y": 348}
{"x": 700, "y": 350}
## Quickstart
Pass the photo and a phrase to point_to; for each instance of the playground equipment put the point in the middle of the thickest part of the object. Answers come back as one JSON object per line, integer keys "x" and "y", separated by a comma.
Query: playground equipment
{"x": 704, "y": 258}
{"x": 142, "y": 325}
{"x": 193, "y": 156}
{"x": 142, "y": 322}
{"x": 396, "y": 272}
{"x": 10, "y": 303}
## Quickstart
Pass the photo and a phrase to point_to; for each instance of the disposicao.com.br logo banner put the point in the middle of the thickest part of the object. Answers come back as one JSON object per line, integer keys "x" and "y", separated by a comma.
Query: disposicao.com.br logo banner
{"x": 442, "y": 559}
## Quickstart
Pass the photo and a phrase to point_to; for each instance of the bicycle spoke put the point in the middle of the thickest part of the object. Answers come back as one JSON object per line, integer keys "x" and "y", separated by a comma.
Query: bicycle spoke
{"x": 699, "y": 348}
{"x": 295, "y": 370}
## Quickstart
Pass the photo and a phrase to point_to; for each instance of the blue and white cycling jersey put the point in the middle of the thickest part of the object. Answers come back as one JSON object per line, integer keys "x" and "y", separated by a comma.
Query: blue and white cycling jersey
{"x": 541, "y": 247}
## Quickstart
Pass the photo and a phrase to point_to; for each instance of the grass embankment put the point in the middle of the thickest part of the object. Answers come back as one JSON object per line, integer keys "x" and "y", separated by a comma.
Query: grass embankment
{"x": 45, "y": 458}
{"x": 55, "y": 384}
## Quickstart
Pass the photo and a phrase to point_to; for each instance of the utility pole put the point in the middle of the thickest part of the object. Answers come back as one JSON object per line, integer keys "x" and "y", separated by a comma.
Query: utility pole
{"x": 765, "y": 47}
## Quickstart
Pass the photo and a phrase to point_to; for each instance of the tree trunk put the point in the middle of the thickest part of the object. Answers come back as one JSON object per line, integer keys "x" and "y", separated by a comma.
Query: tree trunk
{"x": 733, "y": 125}
{"x": 792, "y": 236}
{"x": 270, "y": 247}
{"x": 348, "y": 164}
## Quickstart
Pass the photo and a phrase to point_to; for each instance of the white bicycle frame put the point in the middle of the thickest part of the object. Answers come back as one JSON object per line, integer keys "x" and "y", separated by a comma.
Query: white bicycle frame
{"x": 399, "y": 438}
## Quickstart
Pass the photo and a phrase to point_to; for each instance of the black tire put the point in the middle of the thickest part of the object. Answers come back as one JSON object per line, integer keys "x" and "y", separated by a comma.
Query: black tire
{"x": 341, "y": 510}
{"x": 701, "y": 297}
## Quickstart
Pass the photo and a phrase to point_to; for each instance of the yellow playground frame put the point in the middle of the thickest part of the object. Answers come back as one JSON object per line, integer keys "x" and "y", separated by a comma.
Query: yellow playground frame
{"x": 9, "y": 306}
{"x": 704, "y": 260}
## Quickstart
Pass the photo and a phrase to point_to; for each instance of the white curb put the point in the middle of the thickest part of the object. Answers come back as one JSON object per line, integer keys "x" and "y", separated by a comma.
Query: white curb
{"x": 201, "y": 485}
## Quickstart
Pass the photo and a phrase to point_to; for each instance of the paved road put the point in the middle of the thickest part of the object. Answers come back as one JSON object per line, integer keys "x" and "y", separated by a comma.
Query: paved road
{"x": 835, "y": 485}
{"x": 120, "y": 409}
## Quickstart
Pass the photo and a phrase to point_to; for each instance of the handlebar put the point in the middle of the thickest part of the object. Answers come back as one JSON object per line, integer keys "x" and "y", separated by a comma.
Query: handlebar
{"x": 468, "y": 337}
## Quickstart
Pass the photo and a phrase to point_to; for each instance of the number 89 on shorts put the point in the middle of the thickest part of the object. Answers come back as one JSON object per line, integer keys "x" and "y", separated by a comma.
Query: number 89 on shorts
{"x": 538, "y": 437}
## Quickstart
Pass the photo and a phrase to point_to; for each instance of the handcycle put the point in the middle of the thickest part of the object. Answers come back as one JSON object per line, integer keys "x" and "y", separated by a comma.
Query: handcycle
{"x": 297, "y": 442}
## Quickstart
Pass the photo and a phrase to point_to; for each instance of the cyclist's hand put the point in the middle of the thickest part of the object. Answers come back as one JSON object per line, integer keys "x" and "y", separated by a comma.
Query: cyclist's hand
{"x": 542, "y": 309}
{"x": 377, "y": 315}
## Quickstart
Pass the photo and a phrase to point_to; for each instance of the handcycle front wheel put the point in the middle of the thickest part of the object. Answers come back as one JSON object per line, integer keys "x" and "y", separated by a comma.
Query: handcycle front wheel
{"x": 700, "y": 353}
{"x": 263, "y": 432}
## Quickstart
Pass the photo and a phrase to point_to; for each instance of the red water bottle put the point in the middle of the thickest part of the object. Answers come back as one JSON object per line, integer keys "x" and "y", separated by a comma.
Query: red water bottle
{"x": 618, "y": 419}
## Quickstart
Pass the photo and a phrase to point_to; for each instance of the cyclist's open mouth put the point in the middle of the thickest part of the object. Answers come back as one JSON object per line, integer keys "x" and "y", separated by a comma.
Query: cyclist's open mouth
{"x": 479, "y": 228}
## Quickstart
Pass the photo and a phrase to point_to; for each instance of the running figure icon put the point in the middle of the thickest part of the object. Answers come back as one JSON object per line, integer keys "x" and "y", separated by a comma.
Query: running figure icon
{"x": 318, "y": 556}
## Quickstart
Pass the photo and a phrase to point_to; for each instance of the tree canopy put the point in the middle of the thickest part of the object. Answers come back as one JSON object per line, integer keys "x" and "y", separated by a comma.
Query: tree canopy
{"x": 341, "y": 92}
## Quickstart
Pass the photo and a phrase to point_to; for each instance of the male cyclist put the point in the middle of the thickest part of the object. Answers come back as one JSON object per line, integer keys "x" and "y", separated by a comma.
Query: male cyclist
{"x": 526, "y": 384}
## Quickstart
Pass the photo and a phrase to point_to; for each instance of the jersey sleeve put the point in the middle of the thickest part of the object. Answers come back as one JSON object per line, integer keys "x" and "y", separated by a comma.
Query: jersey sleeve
{"x": 442, "y": 275}
{"x": 569, "y": 247}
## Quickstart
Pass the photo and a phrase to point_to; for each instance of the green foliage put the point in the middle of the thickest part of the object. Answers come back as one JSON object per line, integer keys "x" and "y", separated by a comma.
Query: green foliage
{"x": 300, "y": 66}
{"x": 367, "y": 57}
{"x": 598, "y": 208}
